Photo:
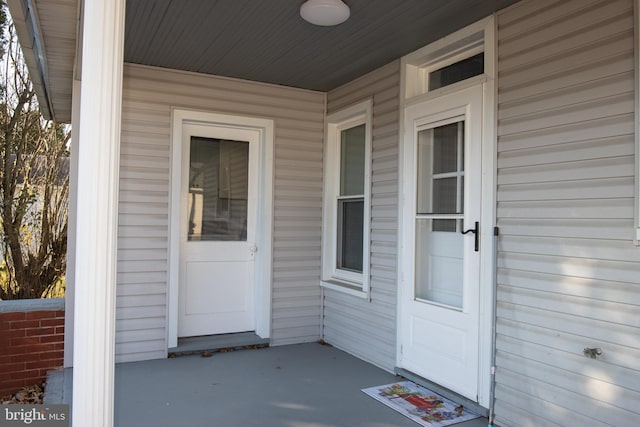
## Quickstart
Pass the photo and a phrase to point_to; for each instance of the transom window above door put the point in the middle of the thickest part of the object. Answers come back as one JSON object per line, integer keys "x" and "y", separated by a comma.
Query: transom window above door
{"x": 347, "y": 200}
{"x": 460, "y": 60}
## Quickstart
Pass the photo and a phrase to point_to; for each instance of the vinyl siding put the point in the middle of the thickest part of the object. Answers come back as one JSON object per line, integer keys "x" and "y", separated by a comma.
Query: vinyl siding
{"x": 143, "y": 254}
{"x": 365, "y": 328}
{"x": 567, "y": 267}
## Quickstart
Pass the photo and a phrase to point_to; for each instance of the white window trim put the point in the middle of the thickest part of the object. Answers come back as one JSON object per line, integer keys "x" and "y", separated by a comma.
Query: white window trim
{"x": 455, "y": 47}
{"x": 636, "y": 213}
{"x": 333, "y": 278}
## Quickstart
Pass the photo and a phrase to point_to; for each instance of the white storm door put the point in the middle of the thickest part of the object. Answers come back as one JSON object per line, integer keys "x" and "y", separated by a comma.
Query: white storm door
{"x": 217, "y": 230}
{"x": 440, "y": 291}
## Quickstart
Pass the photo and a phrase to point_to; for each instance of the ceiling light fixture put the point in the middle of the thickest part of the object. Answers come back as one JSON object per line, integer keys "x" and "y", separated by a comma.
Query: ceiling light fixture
{"x": 324, "y": 12}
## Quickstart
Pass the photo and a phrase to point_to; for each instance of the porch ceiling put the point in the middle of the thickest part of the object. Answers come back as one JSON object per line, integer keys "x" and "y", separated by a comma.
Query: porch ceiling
{"x": 263, "y": 41}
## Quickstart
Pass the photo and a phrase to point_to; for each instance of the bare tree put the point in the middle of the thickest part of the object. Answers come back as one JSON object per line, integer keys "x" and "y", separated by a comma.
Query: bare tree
{"x": 33, "y": 186}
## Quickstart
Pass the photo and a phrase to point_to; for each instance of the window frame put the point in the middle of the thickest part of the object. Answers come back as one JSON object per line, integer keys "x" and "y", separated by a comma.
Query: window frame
{"x": 636, "y": 53}
{"x": 333, "y": 277}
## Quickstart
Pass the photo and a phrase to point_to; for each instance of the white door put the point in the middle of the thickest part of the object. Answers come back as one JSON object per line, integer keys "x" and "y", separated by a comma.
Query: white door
{"x": 439, "y": 308}
{"x": 217, "y": 230}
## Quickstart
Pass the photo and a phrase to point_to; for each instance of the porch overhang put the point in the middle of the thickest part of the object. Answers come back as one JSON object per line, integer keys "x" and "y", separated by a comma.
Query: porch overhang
{"x": 258, "y": 41}
{"x": 47, "y": 31}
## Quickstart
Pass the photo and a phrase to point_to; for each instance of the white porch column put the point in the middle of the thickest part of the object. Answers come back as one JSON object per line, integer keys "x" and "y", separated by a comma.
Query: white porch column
{"x": 98, "y": 164}
{"x": 70, "y": 275}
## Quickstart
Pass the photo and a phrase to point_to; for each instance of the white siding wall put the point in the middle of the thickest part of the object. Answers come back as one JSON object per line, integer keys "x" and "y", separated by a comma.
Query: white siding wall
{"x": 568, "y": 272}
{"x": 365, "y": 328}
{"x": 149, "y": 94}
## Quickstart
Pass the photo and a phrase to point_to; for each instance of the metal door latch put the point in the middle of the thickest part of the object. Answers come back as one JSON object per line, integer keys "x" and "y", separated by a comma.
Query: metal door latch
{"x": 476, "y": 232}
{"x": 592, "y": 353}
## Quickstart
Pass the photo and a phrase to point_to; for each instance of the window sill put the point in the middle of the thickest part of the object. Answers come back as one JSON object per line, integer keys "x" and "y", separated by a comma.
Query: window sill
{"x": 345, "y": 287}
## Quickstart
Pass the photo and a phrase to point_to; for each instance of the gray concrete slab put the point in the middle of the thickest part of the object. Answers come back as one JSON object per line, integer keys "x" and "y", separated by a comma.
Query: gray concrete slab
{"x": 307, "y": 385}
{"x": 54, "y": 388}
{"x": 216, "y": 342}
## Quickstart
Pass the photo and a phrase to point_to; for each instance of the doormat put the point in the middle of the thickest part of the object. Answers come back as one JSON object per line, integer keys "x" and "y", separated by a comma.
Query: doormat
{"x": 420, "y": 404}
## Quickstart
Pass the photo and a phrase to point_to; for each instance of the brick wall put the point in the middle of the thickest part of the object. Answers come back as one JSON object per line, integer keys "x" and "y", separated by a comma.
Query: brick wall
{"x": 31, "y": 342}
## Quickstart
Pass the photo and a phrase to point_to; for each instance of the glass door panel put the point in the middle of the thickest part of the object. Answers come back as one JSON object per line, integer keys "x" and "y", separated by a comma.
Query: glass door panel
{"x": 439, "y": 214}
{"x": 218, "y": 189}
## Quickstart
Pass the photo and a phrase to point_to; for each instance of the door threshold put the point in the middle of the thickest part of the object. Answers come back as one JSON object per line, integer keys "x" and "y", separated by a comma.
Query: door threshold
{"x": 445, "y": 392}
{"x": 213, "y": 343}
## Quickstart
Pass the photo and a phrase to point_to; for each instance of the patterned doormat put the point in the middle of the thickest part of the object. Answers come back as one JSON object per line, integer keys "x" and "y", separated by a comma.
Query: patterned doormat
{"x": 420, "y": 404}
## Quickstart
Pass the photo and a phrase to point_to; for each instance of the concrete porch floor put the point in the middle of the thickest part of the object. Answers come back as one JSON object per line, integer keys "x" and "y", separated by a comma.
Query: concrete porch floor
{"x": 304, "y": 385}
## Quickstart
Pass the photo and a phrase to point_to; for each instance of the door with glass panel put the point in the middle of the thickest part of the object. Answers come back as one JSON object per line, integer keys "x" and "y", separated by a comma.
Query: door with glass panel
{"x": 440, "y": 290}
{"x": 217, "y": 230}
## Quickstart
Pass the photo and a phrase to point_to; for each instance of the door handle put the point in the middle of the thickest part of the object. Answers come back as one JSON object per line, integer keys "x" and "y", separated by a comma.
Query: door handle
{"x": 476, "y": 232}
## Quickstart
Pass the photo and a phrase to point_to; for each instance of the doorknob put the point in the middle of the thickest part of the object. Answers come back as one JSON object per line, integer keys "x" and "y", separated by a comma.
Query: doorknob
{"x": 476, "y": 232}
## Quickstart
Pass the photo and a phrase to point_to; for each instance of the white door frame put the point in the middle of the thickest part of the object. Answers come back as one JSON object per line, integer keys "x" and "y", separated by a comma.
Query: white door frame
{"x": 487, "y": 258}
{"x": 462, "y": 106}
{"x": 413, "y": 91}
{"x": 264, "y": 223}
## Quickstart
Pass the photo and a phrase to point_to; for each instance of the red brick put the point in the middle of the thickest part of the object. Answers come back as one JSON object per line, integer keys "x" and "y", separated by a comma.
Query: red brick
{"x": 14, "y": 367}
{"x": 5, "y": 317}
{"x": 9, "y": 387}
{"x": 25, "y": 324}
{"x": 18, "y": 358}
{"x": 53, "y": 367}
{"x": 59, "y": 346}
{"x": 52, "y": 322}
{"x": 48, "y": 355}
{"x": 52, "y": 338}
{"x": 41, "y": 315}
{"x": 39, "y": 348}
{"x": 60, "y": 314}
{"x": 31, "y": 372}
{"x": 40, "y": 331}
{"x": 21, "y": 375}
{"x": 40, "y": 364}
{"x": 60, "y": 330}
{"x": 37, "y": 379}
{"x": 11, "y": 350}
{"x": 25, "y": 341}
{"x": 11, "y": 333}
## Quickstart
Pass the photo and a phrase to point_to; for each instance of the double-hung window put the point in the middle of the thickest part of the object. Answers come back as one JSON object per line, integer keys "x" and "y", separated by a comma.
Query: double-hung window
{"x": 347, "y": 200}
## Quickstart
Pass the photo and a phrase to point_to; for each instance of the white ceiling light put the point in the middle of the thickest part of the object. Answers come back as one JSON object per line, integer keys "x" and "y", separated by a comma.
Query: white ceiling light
{"x": 324, "y": 12}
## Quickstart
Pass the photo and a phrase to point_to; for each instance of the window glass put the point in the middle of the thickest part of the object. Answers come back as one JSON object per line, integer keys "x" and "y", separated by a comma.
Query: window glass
{"x": 461, "y": 70}
{"x": 439, "y": 264}
{"x": 351, "y": 227}
{"x": 445, "y": 195}
{"x": 352, "y": 149}
{"x": 445, "y": 148}
{"x": 218, "y": 188}
{"x": 439, "y": 244}
{"x": 441, "y": 170}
